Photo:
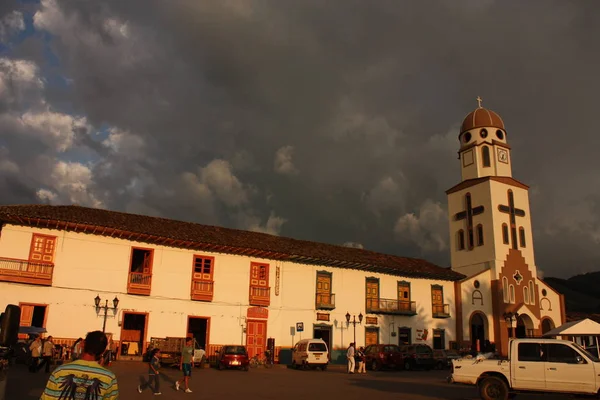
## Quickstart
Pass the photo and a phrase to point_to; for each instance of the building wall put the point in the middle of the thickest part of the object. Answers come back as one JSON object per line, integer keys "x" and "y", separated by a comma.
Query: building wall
{"x": 88, "y": 265}
{"x": 477, "y": 300}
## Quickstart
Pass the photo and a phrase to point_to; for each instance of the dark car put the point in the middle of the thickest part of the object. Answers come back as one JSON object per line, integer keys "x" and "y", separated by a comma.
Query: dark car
{"x": 380, "y": 356}
{"x": 443, "y": 358}
{"x": 234, "y": 356}
{"x": 417, "y": 356}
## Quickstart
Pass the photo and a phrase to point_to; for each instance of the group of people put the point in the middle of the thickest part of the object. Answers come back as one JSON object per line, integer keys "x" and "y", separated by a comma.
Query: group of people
{"x": 42, "y": 353}
{"x": 356, "y": 357}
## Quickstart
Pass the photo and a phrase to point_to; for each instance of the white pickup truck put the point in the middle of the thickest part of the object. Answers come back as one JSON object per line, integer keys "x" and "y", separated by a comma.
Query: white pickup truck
{"x": 533, "y": 365}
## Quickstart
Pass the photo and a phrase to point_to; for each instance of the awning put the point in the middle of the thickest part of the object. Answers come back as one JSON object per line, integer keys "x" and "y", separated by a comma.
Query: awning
{"x": 31, "y": 330}
{"x": 584, "y": 327}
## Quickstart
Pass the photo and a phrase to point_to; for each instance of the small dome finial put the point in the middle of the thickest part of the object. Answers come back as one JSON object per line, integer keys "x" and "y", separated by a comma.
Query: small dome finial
{"x": 479, "y": 100}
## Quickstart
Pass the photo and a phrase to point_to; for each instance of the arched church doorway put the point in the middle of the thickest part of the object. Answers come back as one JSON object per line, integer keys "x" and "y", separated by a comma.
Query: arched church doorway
{"x": 478, "y": 331}
{"x": 524, "y": 326}
{"x": 547, "y": 325}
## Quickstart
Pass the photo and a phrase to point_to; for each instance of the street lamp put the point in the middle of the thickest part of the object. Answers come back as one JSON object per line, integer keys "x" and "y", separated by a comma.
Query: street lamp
{"x": 360, "y": 318}
{"x": 510, "y": 318}
{"x": 105, "y": 307}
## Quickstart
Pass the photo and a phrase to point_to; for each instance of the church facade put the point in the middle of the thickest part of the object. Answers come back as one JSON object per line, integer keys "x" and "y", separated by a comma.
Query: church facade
{"x": 491, "y": 242}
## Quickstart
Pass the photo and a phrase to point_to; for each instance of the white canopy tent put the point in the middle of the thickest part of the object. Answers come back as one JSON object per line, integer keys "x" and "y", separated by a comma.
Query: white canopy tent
{"x": 584, "y": 327}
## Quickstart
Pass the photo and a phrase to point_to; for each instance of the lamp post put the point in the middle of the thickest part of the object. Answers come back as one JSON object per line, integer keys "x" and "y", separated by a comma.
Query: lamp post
{"x": 510, "y": 318}
{"x": 105, "y": 307}
{"x": 353, "y": 322}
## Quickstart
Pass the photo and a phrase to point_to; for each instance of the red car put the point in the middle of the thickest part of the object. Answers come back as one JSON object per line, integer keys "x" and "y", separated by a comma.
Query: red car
{"x": 380, "y": 356}
{"x": 234, "y": 356}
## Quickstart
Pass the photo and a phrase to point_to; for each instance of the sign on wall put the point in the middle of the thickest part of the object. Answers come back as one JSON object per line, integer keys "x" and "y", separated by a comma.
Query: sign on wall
{"x": 299, "y": 326}
{"x": 322, "y": 317}
{"x": 258, "y": 312}
{"x": 371, "y": 320}
{"x": 422, "y": 334}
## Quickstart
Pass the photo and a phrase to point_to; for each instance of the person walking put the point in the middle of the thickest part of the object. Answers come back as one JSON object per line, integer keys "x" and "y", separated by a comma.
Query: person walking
{"x": 351, "y": 361}
{"x": 185, "y": 364}
{"x": 36, "y": 352}
{"x": 84, "y": 378}
{"x": 153, "y": 373}
{"x": 76, "y": 349}
{"x": 47, "y": 354}
{"x": 360, "y": 356}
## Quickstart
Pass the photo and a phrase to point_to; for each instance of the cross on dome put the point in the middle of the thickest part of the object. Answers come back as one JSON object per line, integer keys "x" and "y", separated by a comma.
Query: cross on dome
{"x": 479, "y": 100}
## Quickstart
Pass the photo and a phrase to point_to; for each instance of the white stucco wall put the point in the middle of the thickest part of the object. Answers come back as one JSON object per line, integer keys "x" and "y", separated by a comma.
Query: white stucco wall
{"x": 89, "y": 265}
{"x": 469, "y": 306}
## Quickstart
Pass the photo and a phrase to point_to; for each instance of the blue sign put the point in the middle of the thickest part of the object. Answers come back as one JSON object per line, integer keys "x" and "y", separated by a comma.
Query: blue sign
{"x": 299, "y": 326}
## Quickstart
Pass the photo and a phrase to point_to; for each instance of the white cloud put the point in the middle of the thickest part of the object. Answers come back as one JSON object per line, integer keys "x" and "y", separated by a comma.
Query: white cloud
{"x": 428, "y": 230}
{"x": 124, "y": 143}
{"x": 354, "y": 245}
{"x": 70, "y": 182}
{"x": 272, "y": 226}
{"x": 283, "y": 161}
{"x": 217, "y": 181}
{"x": 388, "y": 193}
{"x": 19, "y": 79}
{"x": 10, "y": 24}
{"x": 54, "y": 128}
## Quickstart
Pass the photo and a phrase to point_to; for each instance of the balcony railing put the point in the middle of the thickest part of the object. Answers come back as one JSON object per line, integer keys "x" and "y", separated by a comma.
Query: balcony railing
{"x": 139, "y": 283}
{"x": 391, "y": 306}
{"x": 202, "y": 290}
{"x": 325, "y": 301}
{"x": 260, "y": 296}
{"x": 441, "y": 310}
{"x": 23, "y": 271}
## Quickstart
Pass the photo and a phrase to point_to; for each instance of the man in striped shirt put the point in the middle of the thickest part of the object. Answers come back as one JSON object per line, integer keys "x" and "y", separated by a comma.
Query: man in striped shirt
{"x": 84, "y": 379}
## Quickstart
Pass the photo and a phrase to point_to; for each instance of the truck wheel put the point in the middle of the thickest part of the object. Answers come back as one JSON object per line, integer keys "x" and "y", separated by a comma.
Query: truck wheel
{"x": 492, "y": 388}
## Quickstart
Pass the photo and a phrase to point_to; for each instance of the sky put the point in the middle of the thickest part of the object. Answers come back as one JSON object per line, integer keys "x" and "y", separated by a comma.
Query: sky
{"x": 331, "y": 121}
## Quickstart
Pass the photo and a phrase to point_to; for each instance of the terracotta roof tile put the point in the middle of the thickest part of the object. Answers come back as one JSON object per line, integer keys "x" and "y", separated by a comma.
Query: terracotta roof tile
{"x": 213, "y": 238}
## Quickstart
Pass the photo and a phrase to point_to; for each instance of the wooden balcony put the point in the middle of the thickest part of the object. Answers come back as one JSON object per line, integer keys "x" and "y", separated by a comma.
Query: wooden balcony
{"x": 23, "y": 271}
{"x": 260, "y": 296}
{"x": 441, "y": 310}
{"x": 139, "y": 283}
{"x": 325, "y": 301}
{"x": 391, "y": 307}
{"x": 202, "y": 290}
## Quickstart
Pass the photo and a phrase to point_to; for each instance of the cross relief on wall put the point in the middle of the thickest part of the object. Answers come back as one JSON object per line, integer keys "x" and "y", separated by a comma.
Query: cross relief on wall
{"x": 514, "y": 212}
{"x": 467, "y": 215}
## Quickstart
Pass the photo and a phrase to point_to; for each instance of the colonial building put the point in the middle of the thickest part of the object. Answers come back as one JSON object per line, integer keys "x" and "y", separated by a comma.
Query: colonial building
{"x": 492, "y": 244}
{"x": 223, "y": 286}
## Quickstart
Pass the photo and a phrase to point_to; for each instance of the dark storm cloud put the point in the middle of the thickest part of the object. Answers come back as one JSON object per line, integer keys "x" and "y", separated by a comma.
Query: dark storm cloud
{"x": 367, "y": 95}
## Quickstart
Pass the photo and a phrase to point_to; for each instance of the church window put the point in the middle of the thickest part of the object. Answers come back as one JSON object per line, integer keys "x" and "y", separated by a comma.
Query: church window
{"x": 479, "y": 235}
{"x": 544, "y": 292}
{"x": 525, "y": 295}
{"x": 485, "y": 155}
{"x": 505, "y": 233}
{"x": 467, "y": 137}
{"x": 522, "y": 236}
{"x": 461, "y": 239}
{"x": 511, "y": 291}
{"x": 505, "y": 289}
{"x": 500, "y": 134}
{"x": 531, "y": 293}
{"x": 483, "y": 133}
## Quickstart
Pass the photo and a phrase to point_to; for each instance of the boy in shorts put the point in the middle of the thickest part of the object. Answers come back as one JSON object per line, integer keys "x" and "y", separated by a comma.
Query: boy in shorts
{"x": 185, "y": 364}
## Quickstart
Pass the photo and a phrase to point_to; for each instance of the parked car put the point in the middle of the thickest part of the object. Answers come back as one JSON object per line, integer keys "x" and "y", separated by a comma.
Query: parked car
{"x": 234, "y": 356}
{"x": 417, "y": 356}
{"x": 380, "y": 356}
{"x": 443, "y": 358}
{"x": 310, "y": 353}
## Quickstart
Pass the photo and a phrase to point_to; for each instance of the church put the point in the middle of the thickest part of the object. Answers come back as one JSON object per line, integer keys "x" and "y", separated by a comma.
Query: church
{"x": 491, "y": 242}
{"x": 140, "y": 277}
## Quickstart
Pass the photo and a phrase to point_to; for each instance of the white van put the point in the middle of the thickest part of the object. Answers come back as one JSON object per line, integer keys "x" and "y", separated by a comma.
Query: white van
{"x": 310, "y": 353}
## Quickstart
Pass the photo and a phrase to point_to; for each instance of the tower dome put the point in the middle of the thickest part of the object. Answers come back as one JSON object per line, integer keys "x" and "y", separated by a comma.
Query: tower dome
{"x": 482, "y": 117}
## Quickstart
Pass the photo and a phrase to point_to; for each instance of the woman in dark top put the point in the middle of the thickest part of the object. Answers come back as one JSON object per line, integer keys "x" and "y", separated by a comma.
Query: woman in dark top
{"x": 153, "y": 372}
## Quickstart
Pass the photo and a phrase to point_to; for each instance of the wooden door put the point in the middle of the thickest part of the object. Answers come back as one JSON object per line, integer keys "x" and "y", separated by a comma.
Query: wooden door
{"x": 203, "y": 268}
{"x": 372, "y": 294}
{"x": 26, "y": 314}
{"x": 371, "y": 336}
{"x": 259, "y": 275}
{"x": 323, "y": 288}
{"x": 42, "y": 249}
{"x": 256, "y": 334}
{"x": 403, "y": 297}
{"x": 437, "y": 296}
{"x": 147, "y": 265}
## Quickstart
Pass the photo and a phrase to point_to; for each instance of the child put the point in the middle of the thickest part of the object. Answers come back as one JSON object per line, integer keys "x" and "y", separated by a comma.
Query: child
{"x": 153, "y": 373}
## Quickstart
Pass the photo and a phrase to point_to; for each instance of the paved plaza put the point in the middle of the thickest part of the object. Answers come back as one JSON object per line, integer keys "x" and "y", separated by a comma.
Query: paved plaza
{"x": 275, "y": 383}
